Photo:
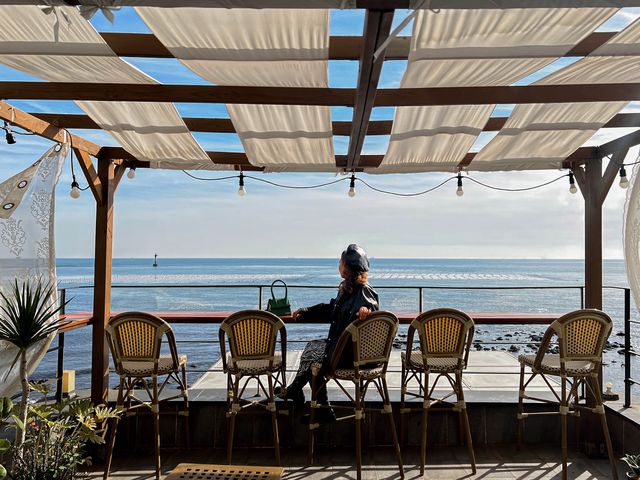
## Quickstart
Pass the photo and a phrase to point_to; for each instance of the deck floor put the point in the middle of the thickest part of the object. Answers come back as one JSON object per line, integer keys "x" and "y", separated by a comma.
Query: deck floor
{"x": 495, "y": 462}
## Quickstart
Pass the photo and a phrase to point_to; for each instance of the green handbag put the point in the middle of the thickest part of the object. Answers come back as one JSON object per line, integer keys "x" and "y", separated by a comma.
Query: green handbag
{"x": 279, "y": 306}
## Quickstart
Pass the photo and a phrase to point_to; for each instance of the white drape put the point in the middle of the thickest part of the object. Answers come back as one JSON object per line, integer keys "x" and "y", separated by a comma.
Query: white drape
{"x": 27, "y": 249}
{"x": 631, "y": 229}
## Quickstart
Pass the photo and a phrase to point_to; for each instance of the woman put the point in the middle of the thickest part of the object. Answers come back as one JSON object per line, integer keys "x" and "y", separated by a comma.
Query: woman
{"x": 355, "y": 300}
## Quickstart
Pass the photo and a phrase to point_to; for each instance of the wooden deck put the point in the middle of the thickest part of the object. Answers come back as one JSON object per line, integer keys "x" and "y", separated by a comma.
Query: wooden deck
{"x": 494, "y": 462}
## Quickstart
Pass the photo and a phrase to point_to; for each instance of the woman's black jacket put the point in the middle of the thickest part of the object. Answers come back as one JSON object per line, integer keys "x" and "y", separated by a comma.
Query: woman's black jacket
{"x": 340, "y": 312}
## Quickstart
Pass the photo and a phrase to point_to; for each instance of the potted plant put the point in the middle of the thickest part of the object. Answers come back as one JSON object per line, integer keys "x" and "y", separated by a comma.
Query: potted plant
{"x": 27, "y": 316}
{"x": 633, "y": 461}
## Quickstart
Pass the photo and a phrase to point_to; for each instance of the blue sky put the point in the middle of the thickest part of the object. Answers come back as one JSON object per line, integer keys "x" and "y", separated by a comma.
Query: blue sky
{"x": 171, "y": 214}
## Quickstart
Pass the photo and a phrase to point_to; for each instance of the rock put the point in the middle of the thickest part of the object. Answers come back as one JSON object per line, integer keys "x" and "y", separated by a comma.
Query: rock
{"x": 619, "y": 334}
{"x": 514, "y": 348}
{"x": 508, "y": 335}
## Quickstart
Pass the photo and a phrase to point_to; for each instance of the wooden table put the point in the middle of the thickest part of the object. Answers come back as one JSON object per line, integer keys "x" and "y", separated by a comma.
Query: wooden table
{"x": 195, "y": 471}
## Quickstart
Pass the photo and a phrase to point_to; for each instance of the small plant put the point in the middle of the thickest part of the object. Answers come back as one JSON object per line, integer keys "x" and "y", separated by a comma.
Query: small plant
{"x": 633, "y": 461}
{"x": 27, "y": 316}
{"x": 56, "y": 436}
{"x": 6, "y": 407}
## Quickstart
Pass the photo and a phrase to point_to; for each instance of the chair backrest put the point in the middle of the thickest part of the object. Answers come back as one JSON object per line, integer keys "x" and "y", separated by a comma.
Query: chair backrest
{"x": 372, "y": 340}
{"x": 581, "y": 335}
{"x": 443, "y": 332}
{"x": 137, "y": 336}
{"x": 251, "y": 334}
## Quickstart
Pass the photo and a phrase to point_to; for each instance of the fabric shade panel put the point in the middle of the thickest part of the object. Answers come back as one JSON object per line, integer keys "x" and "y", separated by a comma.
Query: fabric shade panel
{"x": 542, "y": 136}
{"x": 62, "y": 46}
{"x": 465, "y": 48}
{"x": 268, "y": 47}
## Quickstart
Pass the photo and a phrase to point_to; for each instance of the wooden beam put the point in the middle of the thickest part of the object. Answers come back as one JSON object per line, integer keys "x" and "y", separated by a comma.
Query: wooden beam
{"x": 102, "y": 284}
{"x": 44, "y": 129}
{"x": 177, "y": 93}
{"x": 377, "y": 25}
{"x": 89, "y": 173}
{"x": 623, "y": 143}
{"x": 224, "y": 125}
{"x": 340, "y": 47}
{"x": 611, "y": 173}
{"x": 605, "y": 92}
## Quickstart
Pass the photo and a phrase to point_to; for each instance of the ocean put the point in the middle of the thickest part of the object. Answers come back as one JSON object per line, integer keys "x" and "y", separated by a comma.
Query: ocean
{"x": 181, "y": 285}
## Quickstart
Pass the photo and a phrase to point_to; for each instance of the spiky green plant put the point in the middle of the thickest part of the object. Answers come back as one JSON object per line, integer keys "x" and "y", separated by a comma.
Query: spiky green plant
{"x": 27, "y": 316}
{"x": 633, "y": 461}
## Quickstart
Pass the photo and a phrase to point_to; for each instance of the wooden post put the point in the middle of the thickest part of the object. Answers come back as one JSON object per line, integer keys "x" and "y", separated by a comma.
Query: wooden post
{"x": 102, "y": 283}
{"x": 593, "y": 235}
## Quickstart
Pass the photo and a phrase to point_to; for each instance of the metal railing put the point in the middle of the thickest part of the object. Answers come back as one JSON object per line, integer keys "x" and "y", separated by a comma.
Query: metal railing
{"x": 629, "y": 350}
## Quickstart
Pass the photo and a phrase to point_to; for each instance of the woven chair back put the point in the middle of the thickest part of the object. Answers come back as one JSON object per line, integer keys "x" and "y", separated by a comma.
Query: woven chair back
{"x": 443, "y": 332}
{"x": 582, "y": 335}
{"x": 137, "y": 336}
{"x": 251, "y": 334}
{"x": 373, "y": 338}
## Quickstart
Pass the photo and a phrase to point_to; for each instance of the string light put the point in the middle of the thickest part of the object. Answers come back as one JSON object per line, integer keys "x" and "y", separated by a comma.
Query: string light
{"x": 624, "y": 181}
{"x": 352, "y": 186}
{"x": 131, "y": 174}
{"x": 572, "y": 184}
{"x": 75, "y": 189}
{"x": 459, "y": 190}
{"x": 9, "y": 136}
{"x": 241, "y": 190}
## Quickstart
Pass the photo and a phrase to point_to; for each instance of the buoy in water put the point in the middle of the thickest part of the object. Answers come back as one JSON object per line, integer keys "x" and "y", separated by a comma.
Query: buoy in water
{"x": 155, "y": 260}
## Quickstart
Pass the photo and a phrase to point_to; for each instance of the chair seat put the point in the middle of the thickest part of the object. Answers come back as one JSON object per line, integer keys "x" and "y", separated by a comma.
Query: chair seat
{"x": 434, "y": 364}
{"x": 350, "y": 373}
{"x": 551, "y": 365}
{"x": 165, "y": 366}
{"x": 254, "y": 366}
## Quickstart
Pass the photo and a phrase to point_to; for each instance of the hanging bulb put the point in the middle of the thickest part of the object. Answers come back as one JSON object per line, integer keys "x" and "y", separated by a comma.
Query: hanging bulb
{"x": 131, "y": 174}
{"x": 75, "y": 189}
{"x": 459, "y": 190}
{"x": 9, "y": 136}
{"x": 624, "y": 181}
{"x": 572, "y": 184}
{"x": 352, "y": 186}
{"x": 241, "y": 190}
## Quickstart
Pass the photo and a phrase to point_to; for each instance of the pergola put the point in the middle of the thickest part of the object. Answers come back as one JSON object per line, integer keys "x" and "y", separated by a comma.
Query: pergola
{"x": 371, "y": 50}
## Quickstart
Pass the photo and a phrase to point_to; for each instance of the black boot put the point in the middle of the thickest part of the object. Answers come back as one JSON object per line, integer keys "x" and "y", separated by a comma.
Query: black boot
{"x": 293, "y": 392}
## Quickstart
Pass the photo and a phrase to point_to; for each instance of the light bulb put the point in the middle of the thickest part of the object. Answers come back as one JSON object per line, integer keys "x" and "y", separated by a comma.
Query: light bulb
{"x": 352, "y": 186}
{"x": 131, "y": 174}
{"x": 459, "y": 191}
{"x": 241, "y": 191}
{"x": 609, "y": 388}
{"x": 75, "y": 190}
{"x": 573, "y": 188}
{"x": 624, "y": 181}
{"x": 352, "y": 192}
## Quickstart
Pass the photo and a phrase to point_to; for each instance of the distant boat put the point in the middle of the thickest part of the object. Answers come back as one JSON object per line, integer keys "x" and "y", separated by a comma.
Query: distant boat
{"x": 155, "y": 260}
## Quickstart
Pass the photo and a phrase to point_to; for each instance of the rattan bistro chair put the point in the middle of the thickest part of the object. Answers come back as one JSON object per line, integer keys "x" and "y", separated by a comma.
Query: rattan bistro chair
{"x": 445, "y": 339}
{"x": 135, "y": 339}
{"x": 372, "y": 340}
{"x": 252, "y": 337}
{"x": 581, "y": 337}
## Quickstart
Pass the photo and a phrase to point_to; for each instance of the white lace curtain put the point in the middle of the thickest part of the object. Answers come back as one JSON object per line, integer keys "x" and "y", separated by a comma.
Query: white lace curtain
{"x": 27, "y": 249}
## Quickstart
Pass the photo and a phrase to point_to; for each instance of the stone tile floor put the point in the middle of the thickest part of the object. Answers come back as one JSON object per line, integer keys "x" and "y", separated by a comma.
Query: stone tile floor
{"x": 493, "y": 462}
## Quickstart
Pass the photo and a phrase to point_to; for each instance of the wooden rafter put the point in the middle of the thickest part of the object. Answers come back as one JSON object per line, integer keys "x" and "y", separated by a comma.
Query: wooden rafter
{"x": 340, "y": 47}
{"x": 90, "y": 173}
{"x": 377, "y": 26}
{"x": 224, "y": 125}
{"x": 43, "y": 128}
{"x": 609, "y": 92}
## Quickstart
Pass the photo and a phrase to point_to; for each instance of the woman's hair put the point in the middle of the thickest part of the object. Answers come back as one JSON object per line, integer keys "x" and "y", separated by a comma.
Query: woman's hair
{"x": 352, "y": 279}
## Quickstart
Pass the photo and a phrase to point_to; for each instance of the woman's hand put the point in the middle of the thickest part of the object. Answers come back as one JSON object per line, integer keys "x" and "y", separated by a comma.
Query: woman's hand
{"x": 295, "y": 314}
{"x": 363, "y": 313}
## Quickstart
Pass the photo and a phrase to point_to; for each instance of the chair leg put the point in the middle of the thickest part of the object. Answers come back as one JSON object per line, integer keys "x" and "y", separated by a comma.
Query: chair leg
{"x": 231, "y": 414}
{"x": 521, "y": 416}
{"x": 563, "y": 418}
{"x": 274, "y": 420}
{"x": 465, "y": 419}
{"x": 603, "y": 421}
{"x": 358, "y": 418}
{"x": 114, "y": 429}
{"x": 403, "y": 388}
{"x": 185, "y": 407}
{"x": 312, "y": 416}
{"x": 156, "y": 424}
{"x": 389, "y": 412}
{"x": 425, "y": 414}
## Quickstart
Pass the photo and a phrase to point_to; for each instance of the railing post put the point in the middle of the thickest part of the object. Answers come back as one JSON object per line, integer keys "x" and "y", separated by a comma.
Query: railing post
{"x": 420, "y": 300}
{"x": 260, "y": 297}
{"x": 581, "y": 297}
{"x": 627, "y": 347}
{"x": 60, "y": 365}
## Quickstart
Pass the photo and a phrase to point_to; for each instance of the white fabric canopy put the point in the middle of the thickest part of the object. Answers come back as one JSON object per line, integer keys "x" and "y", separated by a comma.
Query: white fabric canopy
{"x": 64, "y": 47}
{"x": 631, "y": 231}
{"x": 27, "y": 249}
{"x": 540, "y": 136}
{"x": 456, "y": 48}
{"x": 279, "y": 48}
